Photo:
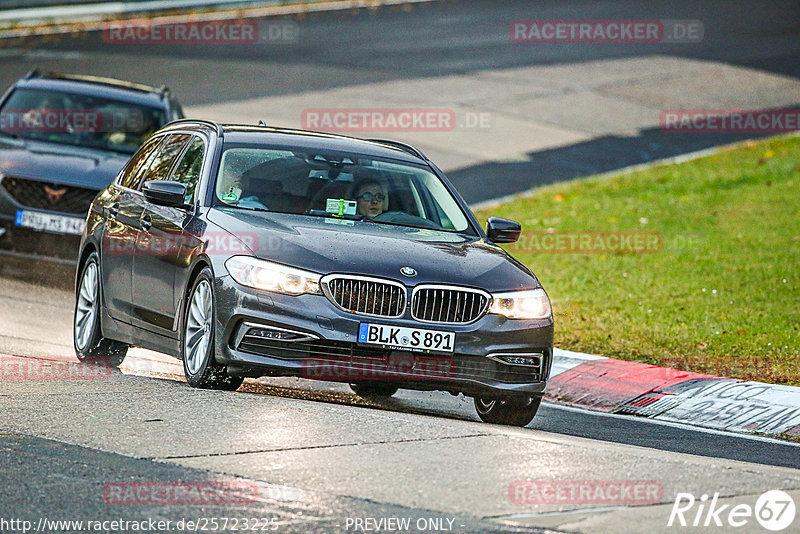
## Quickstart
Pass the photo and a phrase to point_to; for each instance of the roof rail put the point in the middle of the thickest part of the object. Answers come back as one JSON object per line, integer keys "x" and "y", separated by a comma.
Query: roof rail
{"x": 402, "y": 146}
{"x": 32, "y": 73}
{"x": 53, "y": 75}
{"x": 217, "y": 127}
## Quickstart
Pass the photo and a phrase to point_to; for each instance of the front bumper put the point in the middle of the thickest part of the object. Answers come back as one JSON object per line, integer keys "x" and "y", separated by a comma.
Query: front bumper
{"x": 325, "y": 346}
{"x": 32, "y": 242}
{"x": 28, "y": 241}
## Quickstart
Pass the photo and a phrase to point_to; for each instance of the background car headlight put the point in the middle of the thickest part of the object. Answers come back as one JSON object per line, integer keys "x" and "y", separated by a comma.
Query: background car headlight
{"x": 531, "y": 304}
{"x": 261, "y": 274}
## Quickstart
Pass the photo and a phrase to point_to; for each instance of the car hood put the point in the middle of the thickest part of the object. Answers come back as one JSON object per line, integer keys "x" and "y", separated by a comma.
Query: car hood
{"x": 61, "y": 164}
{"x": 327, "y": 245}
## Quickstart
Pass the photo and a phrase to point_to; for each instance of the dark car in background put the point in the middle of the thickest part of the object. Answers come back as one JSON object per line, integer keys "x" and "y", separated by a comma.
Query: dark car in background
{"x": 250, "y": 251}
{"x": 63, "y": 138}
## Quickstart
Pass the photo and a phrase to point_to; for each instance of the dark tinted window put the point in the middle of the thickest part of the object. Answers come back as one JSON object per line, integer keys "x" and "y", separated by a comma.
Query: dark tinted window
{"x": 336, "y": 185}
{"x": 188, "y": 170}
{"x": 82, "y": 120}
{"x": 138, "y": 164}
{"x": 165, "y": 158}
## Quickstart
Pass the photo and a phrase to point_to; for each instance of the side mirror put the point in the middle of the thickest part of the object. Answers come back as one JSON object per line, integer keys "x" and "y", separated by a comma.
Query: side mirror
{"x": 500, "y": 230}
{"x": 165, "y": 193}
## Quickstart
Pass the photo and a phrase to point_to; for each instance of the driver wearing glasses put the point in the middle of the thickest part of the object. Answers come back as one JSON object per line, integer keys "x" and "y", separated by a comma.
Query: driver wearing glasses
{"x": 372, "y": 198}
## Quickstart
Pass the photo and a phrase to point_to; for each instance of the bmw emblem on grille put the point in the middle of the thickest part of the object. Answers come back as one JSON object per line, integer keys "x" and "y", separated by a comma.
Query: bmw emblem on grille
{"x": 408, "y": 271}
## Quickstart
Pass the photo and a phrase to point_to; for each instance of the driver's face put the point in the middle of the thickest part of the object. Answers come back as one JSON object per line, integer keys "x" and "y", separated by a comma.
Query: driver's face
{"x": 374, "y": 206}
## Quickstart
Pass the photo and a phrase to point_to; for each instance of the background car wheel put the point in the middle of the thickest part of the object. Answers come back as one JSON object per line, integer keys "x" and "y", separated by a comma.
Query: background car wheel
{"x": 373, "y": 390}
{"x": 197, "y": 340}
{"x": 511, "y": 411}
{"x": 89, "y": 343}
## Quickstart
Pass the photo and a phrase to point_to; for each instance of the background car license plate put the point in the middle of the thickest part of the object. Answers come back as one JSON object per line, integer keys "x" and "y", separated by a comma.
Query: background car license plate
{"x": 60, "y": 224}
{"x": 406, "y": 338}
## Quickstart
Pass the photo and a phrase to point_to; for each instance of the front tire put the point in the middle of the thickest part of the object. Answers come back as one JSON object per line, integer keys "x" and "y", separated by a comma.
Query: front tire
{"x": 197, "y": 339}
{"x": 517, "y": 411}
{"x": 87, "y": 338}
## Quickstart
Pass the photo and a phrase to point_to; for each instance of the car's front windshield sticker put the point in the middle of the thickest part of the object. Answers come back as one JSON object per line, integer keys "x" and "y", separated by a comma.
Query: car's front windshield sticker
{"x": 232, "y": 195}
{"x": 340, "y": 207}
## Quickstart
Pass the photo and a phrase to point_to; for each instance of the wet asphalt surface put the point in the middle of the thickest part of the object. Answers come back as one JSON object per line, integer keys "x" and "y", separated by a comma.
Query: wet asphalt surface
{"x": 51, "y": 481}
{"x": 319, "y": 455}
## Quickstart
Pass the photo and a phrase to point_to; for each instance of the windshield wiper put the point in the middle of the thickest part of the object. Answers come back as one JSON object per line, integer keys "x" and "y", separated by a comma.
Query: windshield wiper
{"x": 405, "y": 225}
{"x": 254, "y": 208}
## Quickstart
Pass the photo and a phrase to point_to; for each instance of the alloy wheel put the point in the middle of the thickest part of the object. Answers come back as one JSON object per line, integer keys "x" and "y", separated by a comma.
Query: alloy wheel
{"x": 86, "y": 310}
{"x": 198, "y": 327}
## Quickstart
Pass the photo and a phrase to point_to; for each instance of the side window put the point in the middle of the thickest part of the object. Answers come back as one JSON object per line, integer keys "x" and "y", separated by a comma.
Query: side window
{"x": 165, "y": 158}
{"x": 188, "y": 170}
{"x": 138, "y": 163}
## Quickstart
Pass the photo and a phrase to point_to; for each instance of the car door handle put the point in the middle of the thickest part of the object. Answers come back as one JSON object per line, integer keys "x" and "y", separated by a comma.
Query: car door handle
{"x": 147, "y": 222}
{"x": 113, "y": 211}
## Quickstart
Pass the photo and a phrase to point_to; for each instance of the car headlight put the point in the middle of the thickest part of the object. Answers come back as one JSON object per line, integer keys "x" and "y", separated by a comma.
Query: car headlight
{"x": 531, "y": 304}
{"x": 262, "y": 274}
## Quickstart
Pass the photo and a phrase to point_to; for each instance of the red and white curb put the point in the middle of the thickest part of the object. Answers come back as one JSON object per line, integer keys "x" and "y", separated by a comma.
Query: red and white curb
{"x": 618, "y": 386}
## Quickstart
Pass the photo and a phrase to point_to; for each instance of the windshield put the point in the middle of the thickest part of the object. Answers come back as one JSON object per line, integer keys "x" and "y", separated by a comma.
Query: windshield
{"x": 338, "y": 186}
{"x": 75, "y": 119}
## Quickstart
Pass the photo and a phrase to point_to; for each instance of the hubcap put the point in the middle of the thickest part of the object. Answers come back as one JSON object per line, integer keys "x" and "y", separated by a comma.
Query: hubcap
{"x": 198, "y": 327}
{"x": 86, "y": 311}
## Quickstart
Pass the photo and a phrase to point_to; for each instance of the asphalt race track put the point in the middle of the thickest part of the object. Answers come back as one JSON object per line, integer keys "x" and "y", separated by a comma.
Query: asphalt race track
{"x": 318, "y": 453}
{"x": 318, "y": 456}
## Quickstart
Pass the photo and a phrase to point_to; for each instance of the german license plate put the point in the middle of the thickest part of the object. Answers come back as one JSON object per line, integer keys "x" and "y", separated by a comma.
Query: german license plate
{"x": 398, "y": 337}
{"x": 48, "y": 222}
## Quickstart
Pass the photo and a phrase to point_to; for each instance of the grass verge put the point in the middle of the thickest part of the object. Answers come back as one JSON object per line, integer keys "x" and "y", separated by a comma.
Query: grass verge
{"x": 714, "y": 283}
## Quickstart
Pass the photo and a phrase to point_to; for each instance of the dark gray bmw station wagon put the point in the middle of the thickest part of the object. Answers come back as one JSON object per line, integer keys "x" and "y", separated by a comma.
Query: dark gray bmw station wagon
{"x": 251, "y": 251}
